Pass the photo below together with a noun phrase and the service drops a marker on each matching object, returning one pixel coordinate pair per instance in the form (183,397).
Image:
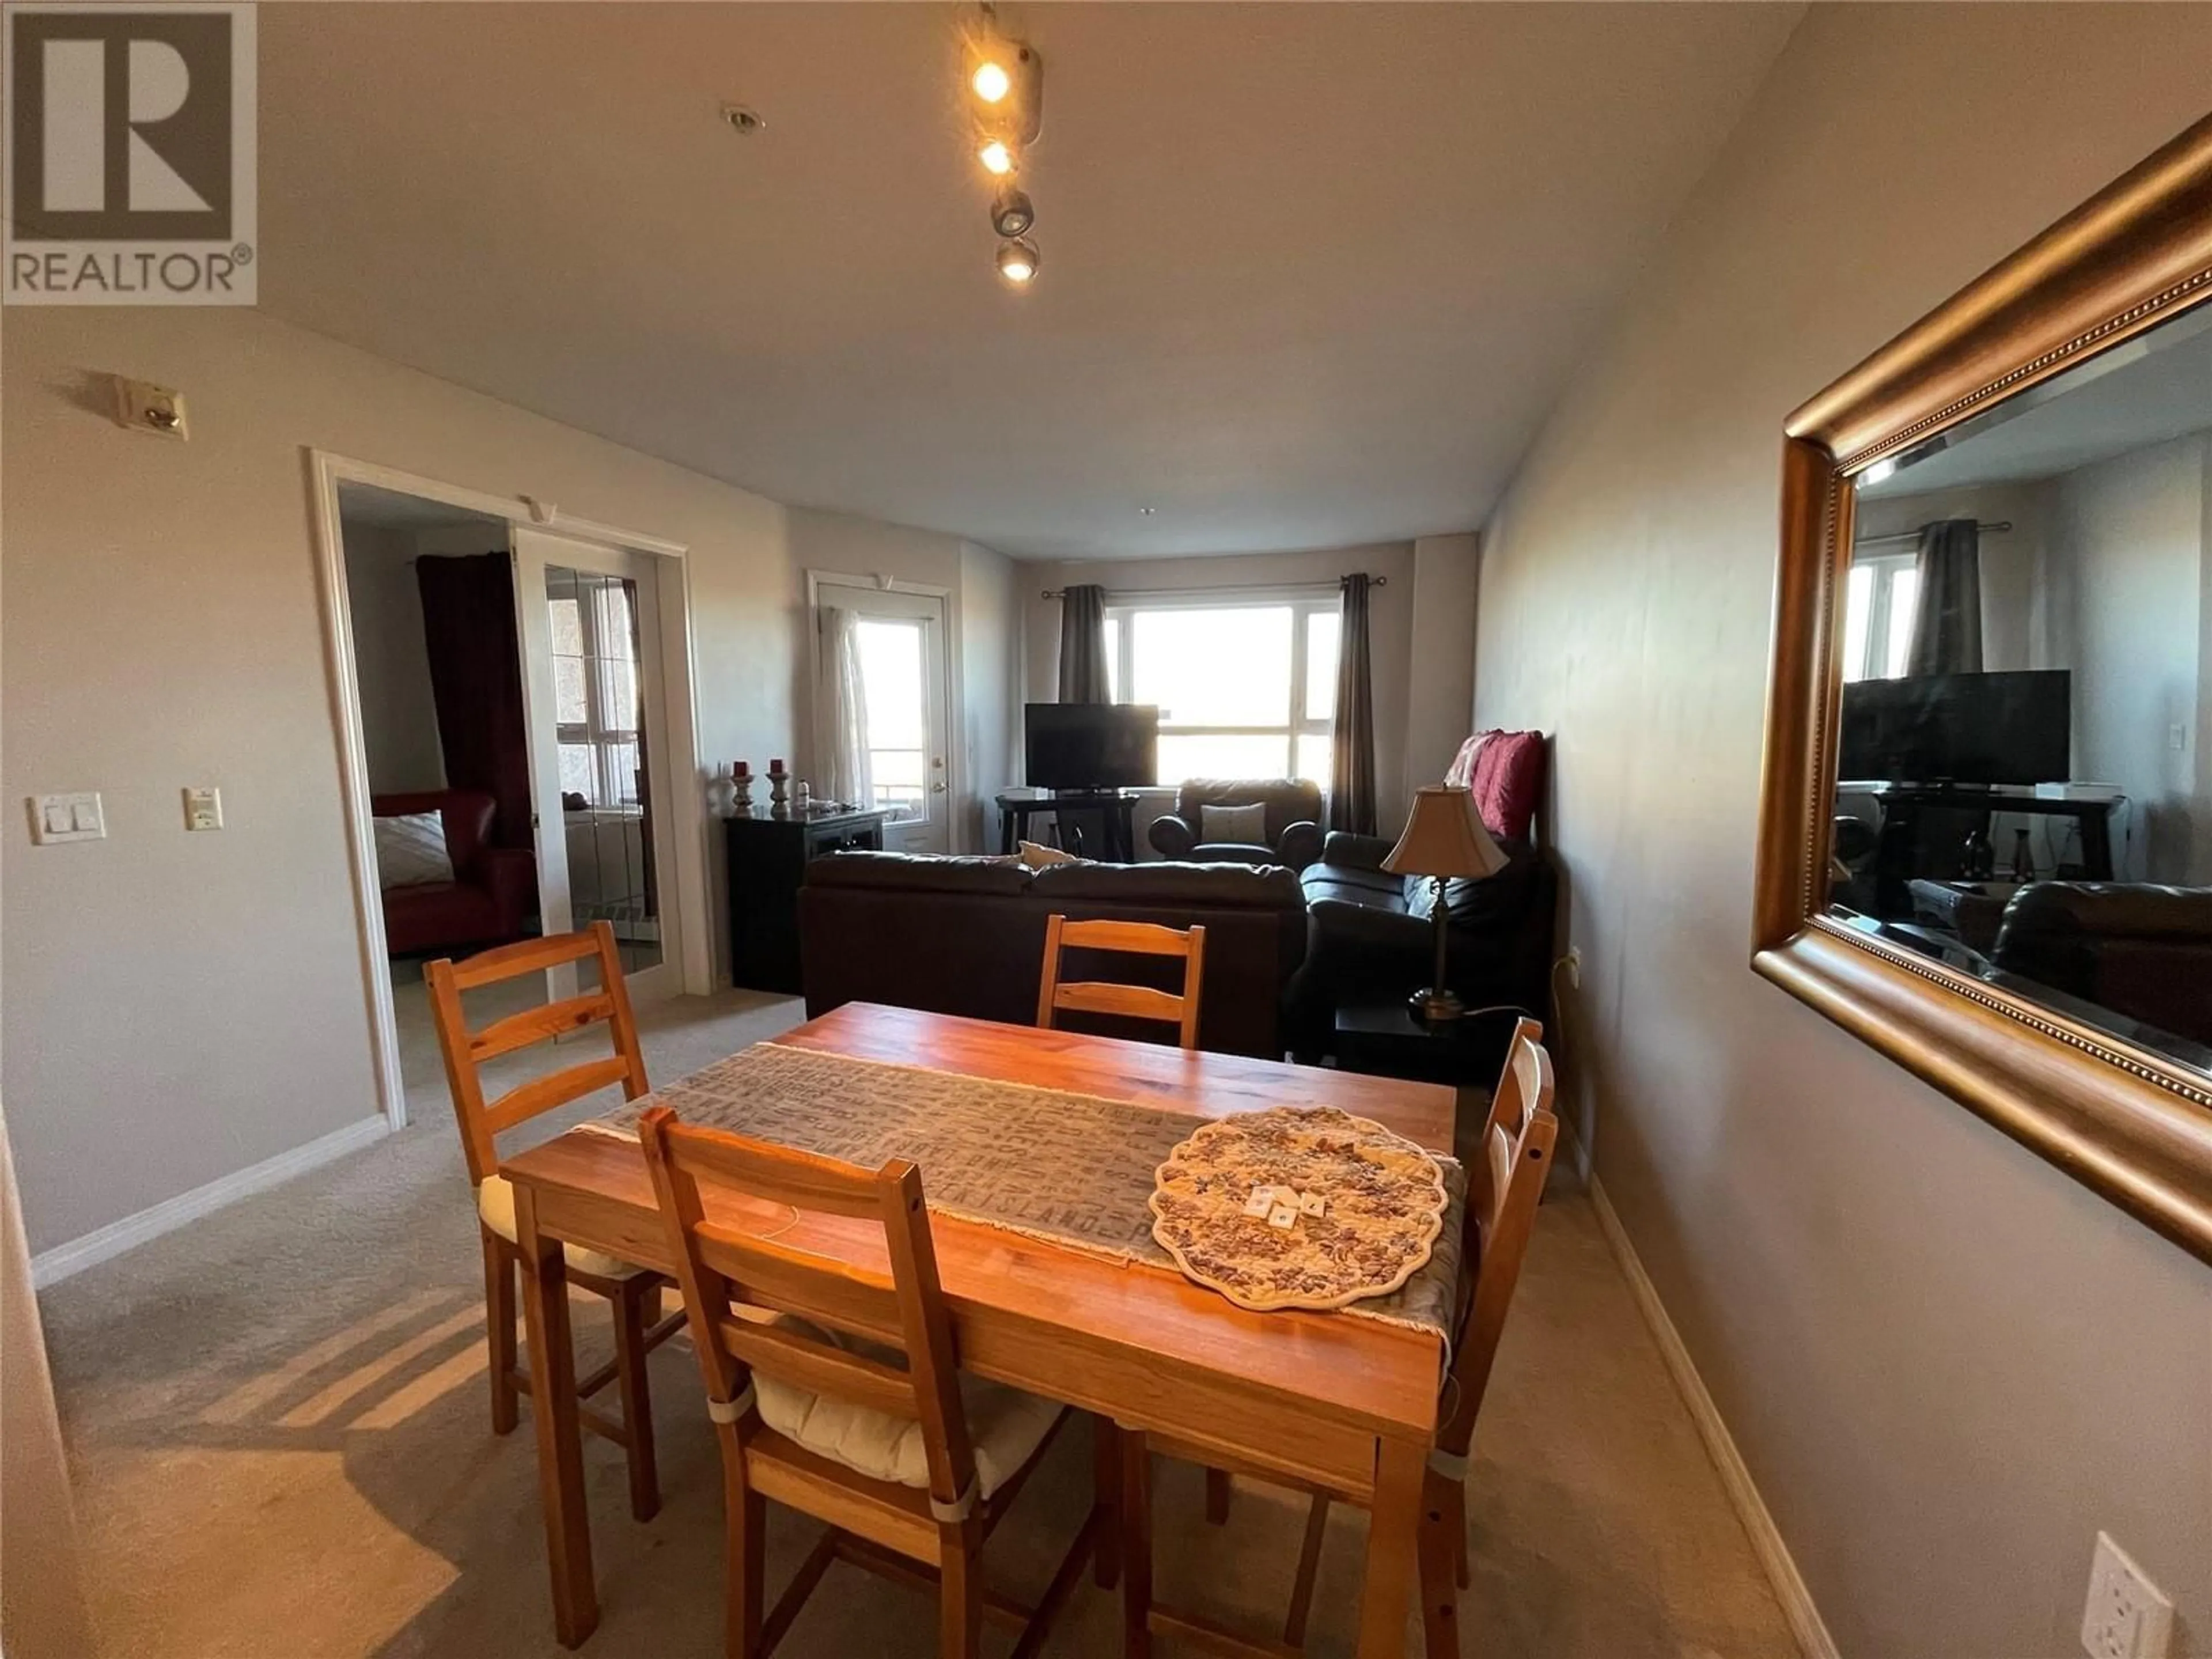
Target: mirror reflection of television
(1959,728)
(1092,746)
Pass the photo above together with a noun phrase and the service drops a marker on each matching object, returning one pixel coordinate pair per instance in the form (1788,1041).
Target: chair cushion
(1006,1425)
(1244,826)
(495,1209)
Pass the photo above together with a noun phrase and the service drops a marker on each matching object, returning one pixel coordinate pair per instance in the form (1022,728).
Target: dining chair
(632,1292)
(1130,1001)
(1504,1185)
(834,1389)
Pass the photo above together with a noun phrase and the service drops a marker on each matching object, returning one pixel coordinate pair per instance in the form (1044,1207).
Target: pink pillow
(1507,781)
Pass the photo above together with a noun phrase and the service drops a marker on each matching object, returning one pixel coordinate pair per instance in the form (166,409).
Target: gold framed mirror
(1985,829)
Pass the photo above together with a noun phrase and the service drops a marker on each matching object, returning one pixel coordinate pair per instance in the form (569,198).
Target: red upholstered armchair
(494,891)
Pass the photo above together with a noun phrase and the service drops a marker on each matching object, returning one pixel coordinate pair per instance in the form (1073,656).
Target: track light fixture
(1005,92)
(1018,261)
(1011,213)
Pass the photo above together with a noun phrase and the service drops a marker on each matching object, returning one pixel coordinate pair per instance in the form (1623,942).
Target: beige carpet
(278,1423)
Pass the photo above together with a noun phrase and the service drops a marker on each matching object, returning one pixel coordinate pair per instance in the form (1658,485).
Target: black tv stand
(1115,811)
(1905,849)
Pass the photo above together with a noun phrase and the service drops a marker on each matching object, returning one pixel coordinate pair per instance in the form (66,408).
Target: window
(1878,607)
(595,685)
(891,675)
(1245,688)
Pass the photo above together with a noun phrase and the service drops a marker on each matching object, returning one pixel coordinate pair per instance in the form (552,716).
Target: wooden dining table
(1344,1401)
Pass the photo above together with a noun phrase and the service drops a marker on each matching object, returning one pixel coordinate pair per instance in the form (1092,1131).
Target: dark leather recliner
(1371,937)
(1293,822)
(2142,950)
(966,936)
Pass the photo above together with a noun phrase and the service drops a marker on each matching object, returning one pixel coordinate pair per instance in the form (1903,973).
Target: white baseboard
(1805,1621)
(51,1267)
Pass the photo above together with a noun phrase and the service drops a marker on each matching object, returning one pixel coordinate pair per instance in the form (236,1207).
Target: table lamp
(1442,838)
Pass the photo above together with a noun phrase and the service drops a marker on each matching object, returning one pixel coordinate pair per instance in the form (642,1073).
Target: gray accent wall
(1946,1364)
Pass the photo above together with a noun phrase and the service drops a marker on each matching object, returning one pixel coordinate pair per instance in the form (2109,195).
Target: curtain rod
(1998,526)
(1376,582)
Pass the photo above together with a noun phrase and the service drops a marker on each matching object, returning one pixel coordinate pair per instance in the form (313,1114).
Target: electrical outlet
(2128,1617)
(203,808)
(1574,960)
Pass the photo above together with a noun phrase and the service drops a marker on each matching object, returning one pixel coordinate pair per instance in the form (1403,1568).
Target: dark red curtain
(476,679)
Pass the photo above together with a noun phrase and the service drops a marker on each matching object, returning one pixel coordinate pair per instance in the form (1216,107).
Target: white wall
(182,1006)
(2131,532)
(1946,1364)
(1440,655)
(990,651)
(1390,623)
(398,713)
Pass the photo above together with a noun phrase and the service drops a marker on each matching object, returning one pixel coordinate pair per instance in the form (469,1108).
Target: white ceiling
(1312,275)
(2152,389)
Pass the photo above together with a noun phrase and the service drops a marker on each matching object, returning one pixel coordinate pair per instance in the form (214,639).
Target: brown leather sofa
(2140,950)
(1372,936)
(494,891)
(1293,822)
(966,936)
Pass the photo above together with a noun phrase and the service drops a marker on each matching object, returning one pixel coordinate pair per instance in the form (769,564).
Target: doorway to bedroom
(514,753)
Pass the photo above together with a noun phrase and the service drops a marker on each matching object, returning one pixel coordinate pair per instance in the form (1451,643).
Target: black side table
(1382,1039)
(767,857)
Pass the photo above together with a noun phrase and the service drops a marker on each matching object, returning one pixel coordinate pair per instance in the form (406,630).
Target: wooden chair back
(466,1051)
(1130,1001)
(1503,1188)
(717,1265)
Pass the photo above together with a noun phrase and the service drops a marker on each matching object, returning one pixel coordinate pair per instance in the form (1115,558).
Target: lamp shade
(1444,837)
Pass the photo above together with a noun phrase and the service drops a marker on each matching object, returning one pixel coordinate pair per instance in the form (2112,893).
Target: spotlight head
(997,156)
(1011,213)
(990,81)
(1017,261)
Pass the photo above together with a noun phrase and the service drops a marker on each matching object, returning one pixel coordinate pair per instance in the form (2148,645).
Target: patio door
(600,773)
(903,641)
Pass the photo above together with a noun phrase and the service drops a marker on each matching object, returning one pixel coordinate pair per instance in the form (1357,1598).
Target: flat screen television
(1959,728)
(1092,746)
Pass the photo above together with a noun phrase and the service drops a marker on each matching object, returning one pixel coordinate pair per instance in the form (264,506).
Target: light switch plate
(57,818)
(203,808)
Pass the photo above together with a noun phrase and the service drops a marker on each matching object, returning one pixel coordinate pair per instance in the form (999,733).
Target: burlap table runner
(1073,1168)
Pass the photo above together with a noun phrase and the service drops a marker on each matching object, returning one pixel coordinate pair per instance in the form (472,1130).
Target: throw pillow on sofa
(1507,782)
(411,851)
(1038,856)
(1235,826)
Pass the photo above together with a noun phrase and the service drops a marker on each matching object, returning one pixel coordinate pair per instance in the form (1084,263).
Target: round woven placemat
(1385,1202)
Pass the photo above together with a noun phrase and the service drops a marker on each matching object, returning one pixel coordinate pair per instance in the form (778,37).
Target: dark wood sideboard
(767,858)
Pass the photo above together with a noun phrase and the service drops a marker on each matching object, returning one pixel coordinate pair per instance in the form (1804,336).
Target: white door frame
(956,714)
(326,472)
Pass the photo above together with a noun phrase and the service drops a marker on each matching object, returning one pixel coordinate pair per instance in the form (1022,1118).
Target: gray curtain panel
(1946,620)
(1351,735)
(1083,645)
